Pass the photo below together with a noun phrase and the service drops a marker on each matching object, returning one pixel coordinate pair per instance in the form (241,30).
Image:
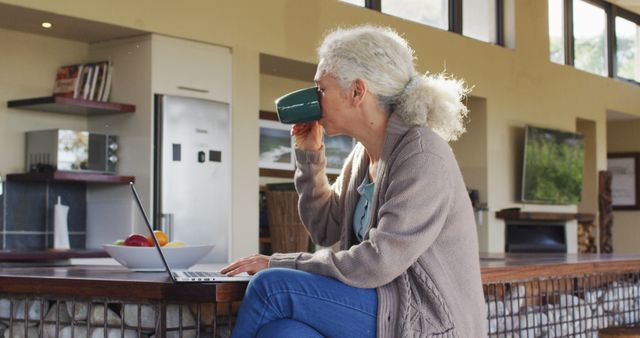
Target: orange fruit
(160,236)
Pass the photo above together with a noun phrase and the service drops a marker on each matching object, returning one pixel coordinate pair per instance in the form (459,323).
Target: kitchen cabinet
(192,69)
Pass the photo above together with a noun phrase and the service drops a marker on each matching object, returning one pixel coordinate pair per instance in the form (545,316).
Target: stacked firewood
(587,238)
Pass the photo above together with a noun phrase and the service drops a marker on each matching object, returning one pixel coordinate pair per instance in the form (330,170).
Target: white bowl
(138,258)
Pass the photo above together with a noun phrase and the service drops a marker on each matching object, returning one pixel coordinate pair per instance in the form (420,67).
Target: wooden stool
(620,332)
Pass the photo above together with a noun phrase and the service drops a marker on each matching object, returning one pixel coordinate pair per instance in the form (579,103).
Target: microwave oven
(70,150)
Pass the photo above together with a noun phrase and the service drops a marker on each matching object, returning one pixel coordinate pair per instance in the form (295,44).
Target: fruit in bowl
(137,252)
(136,240)
(162,238)
(140,240)
(175,244)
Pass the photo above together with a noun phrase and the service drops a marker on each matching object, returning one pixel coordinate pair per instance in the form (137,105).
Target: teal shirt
(362,213)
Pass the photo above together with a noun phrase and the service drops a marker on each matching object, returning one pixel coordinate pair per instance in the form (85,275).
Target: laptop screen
(153,236)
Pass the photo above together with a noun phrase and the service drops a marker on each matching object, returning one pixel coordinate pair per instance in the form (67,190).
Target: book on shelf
(102,68)
(86,79)
(67,80)
(89,81)
(94,81)
(107,83)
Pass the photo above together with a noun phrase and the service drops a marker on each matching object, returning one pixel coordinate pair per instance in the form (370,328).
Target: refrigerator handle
(166,225)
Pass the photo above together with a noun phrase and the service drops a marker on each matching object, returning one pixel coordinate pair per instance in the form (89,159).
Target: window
(429,12)
(595,36)
(589,34)
(479,20)
(627,49)
(556,31)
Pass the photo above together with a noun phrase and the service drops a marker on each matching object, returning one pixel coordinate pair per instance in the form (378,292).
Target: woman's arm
(417,203)
(318,203)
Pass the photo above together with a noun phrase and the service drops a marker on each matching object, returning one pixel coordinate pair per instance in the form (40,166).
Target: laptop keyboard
(198,274)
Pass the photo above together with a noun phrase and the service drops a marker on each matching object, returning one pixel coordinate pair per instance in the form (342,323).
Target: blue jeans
(291,303)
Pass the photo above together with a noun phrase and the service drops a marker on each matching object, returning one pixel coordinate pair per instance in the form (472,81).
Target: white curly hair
(385,61)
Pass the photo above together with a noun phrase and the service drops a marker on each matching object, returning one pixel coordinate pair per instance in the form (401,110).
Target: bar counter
(529,295)
(117,281)
(48,255)
(511,266)
(113,281)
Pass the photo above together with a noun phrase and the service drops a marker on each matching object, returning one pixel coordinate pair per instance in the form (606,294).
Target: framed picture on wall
(276,146)
(625,172)
(336,150)
(274,157)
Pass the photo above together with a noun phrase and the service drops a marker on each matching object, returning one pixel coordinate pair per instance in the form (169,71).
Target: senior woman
(408,261)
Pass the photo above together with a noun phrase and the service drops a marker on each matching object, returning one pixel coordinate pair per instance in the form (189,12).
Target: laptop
(179,275)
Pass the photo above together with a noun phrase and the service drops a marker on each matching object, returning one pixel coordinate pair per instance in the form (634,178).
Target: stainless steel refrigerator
(192,188)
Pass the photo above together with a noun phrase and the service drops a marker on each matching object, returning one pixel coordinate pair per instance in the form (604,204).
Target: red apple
(136,240)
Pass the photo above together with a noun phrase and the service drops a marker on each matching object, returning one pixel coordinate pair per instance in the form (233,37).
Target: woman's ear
(359,91)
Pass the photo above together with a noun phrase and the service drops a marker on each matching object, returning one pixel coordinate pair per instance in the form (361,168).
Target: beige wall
(622,136)
(272,87)
(471,149)
(589,198)
(520,85)
(244,142)
(28,65)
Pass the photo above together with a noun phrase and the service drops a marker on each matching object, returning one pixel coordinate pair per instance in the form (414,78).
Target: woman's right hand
(308,136)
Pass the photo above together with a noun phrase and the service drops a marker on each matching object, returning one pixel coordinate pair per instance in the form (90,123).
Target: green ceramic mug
(300,106)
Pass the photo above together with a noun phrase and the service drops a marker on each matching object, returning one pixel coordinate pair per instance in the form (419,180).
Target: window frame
(455,17)
(606,7)
(627,15)
(611,11)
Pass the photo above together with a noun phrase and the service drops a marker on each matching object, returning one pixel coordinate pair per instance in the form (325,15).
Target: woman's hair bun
(434,101)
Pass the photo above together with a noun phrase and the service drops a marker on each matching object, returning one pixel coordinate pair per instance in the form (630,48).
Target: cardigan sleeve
(416,205)
(318,203)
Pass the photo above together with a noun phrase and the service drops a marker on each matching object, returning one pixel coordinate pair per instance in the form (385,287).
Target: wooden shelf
(517,215)
(64,176)
(65,105)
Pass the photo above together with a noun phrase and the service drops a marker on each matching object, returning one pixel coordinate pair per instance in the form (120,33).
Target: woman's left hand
(250,265)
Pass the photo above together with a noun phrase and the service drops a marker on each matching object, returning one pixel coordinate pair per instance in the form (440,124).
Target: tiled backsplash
(27,214)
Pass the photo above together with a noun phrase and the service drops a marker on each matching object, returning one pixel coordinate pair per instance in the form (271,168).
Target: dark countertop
(112,281)
(49,255)
(117,280)
(510,266)
(518,259)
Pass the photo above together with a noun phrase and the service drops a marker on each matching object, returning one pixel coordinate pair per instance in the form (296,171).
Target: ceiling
(65,27)
(630,5)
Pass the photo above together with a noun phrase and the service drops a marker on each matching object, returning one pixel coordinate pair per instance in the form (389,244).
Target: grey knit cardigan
(421,250)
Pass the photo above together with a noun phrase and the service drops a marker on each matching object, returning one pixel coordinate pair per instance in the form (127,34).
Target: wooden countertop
(117,281)
(112,281)
(501,267)
(48,255)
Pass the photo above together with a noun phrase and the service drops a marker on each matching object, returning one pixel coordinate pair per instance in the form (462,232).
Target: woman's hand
(308,135)
(250,265)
